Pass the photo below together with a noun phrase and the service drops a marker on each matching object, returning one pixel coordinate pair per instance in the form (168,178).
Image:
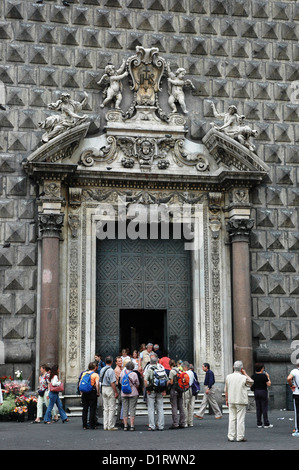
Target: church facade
(149,183)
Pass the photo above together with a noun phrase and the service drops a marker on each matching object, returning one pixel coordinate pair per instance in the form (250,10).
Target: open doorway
(142,326)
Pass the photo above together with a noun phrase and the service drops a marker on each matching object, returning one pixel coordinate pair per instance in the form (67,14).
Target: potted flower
(20,412)
(32,406)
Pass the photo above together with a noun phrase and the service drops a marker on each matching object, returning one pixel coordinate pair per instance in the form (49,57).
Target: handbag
(59,388)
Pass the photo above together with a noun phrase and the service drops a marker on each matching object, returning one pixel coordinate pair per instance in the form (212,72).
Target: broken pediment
(145,139)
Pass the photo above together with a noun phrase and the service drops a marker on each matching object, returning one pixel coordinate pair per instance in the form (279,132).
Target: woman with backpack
(129,393)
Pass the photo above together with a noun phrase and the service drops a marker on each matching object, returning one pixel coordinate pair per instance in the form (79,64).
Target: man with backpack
(179,383)
(155,379)
(89,389)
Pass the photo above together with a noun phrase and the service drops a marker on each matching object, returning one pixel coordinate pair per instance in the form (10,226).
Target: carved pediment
(230,153)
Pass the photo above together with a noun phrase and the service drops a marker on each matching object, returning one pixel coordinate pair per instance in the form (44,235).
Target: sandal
(132,428)
(125,428)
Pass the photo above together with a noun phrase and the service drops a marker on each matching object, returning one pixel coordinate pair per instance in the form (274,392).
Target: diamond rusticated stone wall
(236,52)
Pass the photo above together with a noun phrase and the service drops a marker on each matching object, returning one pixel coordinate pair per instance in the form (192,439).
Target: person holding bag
(43,394)
(55,386)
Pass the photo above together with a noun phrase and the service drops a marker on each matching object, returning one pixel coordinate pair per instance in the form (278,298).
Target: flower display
(18,373)
(16,387)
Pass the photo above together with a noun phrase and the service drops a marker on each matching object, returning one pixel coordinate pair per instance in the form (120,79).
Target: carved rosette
(240,229)
(51,225)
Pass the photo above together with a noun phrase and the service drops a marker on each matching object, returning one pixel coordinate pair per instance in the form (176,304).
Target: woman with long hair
(54,397)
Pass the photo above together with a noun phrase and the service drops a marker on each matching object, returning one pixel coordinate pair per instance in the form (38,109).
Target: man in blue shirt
(209,394)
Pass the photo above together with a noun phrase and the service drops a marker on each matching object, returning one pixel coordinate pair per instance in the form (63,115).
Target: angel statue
(233,126)
(112,83)
(176,83)
(69,117)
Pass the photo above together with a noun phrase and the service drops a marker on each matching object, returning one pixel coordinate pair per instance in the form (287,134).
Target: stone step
(141,409)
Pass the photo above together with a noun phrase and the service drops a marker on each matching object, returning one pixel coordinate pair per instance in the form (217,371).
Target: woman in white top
(54,398)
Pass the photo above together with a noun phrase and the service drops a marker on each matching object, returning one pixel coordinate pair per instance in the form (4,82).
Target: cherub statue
(176,83)
(112,82)
(233,126)
(58,123)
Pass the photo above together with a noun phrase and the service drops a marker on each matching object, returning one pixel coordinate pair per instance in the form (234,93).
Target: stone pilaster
(239,231)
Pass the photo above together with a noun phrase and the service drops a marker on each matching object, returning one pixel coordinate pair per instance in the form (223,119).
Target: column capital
(239,229)
(50,224)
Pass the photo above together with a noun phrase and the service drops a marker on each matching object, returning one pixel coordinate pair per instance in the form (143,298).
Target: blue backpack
(125,384)
(85,383)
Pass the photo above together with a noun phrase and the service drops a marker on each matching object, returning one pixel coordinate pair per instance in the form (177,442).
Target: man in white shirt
(237,400)
(293,381)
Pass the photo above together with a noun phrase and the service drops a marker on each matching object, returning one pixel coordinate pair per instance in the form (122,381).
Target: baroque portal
(118,190)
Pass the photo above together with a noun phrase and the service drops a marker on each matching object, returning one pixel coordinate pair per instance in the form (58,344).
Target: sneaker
(112,429)
(269,426)
(295,434)
(260,426)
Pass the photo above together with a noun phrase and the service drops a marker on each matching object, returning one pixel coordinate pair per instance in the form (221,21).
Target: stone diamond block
(6,74)
(81,16)
(5,30)
(258,240)
(289,308)
(262,91)
(187,25)
(265,262)
(37,12)
(48,34)
(102,18)
(199,46)
(287,262)
(276,196)
(14,279)
(70,36)
(292,154)
(272,112)
(258,284)
(279,330)
(269,30)
(265,217)
(6,208)
(91,38)
(267,307)
(124,20)
(6,304)
(14,328)
(259,329)
(197,6)
(137,39)
(15,232)
(26,208)
(14,10)
(59,14)
(177,45)
(208,26)
(25,303)
(6,256)
(276,240)
(26,256)
(16,186)
(277,284)
(166,24)
(289,31)
(287,218)
(283,133)
(7,164)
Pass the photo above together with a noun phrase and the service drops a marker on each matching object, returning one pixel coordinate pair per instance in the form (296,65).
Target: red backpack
(181,381)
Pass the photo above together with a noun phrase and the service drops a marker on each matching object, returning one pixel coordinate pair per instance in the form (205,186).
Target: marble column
(50,229)
(239,230)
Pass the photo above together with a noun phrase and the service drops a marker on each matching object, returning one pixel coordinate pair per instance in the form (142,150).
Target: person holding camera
(237,400)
